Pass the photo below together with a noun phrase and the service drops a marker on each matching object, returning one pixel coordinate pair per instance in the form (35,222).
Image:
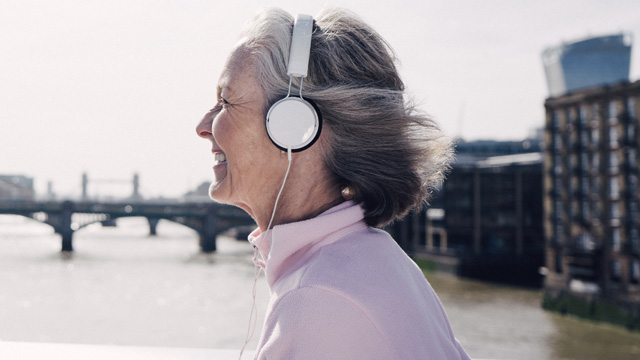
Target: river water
(123,287)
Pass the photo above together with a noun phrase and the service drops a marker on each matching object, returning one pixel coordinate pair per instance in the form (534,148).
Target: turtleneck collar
(276,247)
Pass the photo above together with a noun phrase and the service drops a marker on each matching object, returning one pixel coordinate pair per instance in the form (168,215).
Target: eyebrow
(225,86)
(222,83)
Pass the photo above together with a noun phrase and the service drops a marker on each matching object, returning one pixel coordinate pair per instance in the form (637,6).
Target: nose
(203,129)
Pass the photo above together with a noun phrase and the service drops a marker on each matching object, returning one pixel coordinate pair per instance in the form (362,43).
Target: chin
(215,193)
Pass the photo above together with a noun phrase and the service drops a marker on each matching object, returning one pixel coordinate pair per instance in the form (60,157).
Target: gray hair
(376,142)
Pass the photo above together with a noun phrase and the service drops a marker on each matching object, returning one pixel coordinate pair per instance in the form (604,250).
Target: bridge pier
(67,241)
(209,232)
(65,230)
(153,225)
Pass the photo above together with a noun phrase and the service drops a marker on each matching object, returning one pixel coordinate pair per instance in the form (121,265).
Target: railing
(53,351)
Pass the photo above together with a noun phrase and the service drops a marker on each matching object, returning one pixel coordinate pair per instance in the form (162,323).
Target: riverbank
(594,308)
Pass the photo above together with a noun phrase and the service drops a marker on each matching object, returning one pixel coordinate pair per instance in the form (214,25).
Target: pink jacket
(343,290)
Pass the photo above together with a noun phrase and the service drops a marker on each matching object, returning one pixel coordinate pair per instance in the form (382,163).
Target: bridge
(208,219)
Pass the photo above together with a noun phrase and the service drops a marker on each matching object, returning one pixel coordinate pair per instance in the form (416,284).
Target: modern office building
(587,63)
(591,200)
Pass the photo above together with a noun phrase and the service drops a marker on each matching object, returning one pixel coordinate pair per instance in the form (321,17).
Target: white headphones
(293,122)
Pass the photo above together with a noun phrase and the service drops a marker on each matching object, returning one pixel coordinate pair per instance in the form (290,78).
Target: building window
(584,138)
(584,186)
(557,142)
(612,110)
(615,239)
(631,108)
(584,162)
(635,271)
(614,165)
(595,162)
(615,211)
(614,187)
(613,135)
(586,211)
(595,135)
(633,212)
(634,240)
(595,188)
(557,184)
(558,209)
(633,186)
(559,233)
(582,115)
(631,133)
(573,210)
(616,269)
(557,166)
(596,210)
(555,121)
(632,158)
(572,162)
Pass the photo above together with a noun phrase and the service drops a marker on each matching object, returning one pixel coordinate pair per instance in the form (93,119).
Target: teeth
(220,157)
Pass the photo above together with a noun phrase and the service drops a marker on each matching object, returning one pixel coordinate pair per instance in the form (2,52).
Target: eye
(223,103)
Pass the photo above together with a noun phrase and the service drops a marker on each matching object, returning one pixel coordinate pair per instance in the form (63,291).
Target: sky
(114,88)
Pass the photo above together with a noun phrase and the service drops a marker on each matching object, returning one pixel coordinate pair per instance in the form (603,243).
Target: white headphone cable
(253,316)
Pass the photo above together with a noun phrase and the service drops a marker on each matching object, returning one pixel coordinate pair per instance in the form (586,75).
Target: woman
(340,288)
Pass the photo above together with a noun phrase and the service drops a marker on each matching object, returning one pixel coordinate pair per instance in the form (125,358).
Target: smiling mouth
(219,158)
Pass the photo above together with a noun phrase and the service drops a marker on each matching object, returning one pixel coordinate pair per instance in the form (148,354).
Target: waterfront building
(486,220)
(16,187)
(493,217)
(591,199)
(587,63)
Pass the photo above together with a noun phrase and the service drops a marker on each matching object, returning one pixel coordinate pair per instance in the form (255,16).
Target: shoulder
(368,270)
(367,256)
(320,321)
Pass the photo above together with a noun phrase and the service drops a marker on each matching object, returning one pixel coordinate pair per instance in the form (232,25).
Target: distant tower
(50,194)
(136,187)
(85,183)
(587,63)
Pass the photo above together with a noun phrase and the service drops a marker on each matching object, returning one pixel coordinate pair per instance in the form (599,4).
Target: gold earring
(347,193)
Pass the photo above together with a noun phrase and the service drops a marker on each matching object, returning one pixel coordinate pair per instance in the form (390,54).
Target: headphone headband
(300,46)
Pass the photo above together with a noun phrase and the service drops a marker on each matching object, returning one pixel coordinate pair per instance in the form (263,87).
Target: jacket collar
(276,247)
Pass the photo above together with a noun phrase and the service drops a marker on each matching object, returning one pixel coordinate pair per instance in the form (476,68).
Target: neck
(306,194)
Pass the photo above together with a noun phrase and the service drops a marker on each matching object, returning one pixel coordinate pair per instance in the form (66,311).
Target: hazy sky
(112,88)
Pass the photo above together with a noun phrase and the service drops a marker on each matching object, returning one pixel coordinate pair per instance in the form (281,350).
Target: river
(123,287)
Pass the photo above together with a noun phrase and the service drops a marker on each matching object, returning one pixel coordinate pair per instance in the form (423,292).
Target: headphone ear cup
(293,123)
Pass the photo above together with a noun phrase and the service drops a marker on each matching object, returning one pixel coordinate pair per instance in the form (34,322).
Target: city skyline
(113,89)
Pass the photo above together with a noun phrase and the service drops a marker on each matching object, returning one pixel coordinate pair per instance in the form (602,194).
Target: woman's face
(247,166)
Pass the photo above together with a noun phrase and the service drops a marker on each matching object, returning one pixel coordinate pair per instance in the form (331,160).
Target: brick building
(591,200)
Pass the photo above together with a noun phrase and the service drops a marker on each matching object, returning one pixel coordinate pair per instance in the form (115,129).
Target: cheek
(242,136)
(226,132)
(218,127)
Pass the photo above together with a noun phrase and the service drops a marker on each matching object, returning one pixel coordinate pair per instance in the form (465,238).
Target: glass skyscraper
(587,63)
